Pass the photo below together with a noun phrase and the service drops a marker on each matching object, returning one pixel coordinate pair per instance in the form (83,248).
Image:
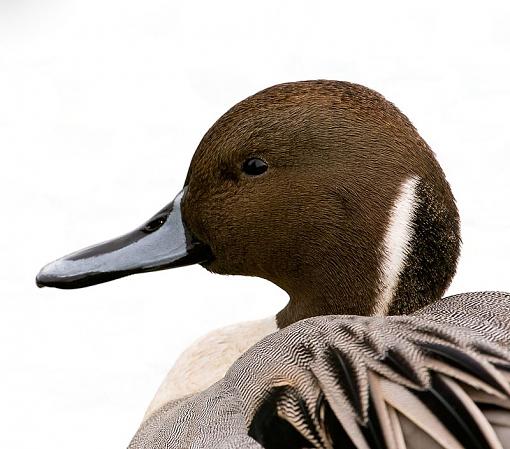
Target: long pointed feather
(415,436)
(347,375)
(476,413)
(465,362)
(338,402)
(372,429)
(448,408)
(469,379)
(337,436)
(346,419)
(499,417)
(382,410)
(410,406)
(396,428)
(481,397)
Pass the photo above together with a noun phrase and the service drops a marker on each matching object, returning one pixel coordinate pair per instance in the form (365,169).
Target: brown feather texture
(436,379)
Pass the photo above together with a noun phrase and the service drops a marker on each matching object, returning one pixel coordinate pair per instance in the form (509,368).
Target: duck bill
(160,243)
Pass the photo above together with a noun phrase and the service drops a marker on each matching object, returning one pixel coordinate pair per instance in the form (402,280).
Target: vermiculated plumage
(449,384)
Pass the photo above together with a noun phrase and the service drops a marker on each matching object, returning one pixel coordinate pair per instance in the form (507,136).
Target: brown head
(322,187)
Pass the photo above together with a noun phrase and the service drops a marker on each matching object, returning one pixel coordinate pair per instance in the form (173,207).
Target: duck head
(322,187)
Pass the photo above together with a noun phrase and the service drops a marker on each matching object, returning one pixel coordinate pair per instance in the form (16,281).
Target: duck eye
(254,166)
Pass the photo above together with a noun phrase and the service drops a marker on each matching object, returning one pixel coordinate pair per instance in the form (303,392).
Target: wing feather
(475,413)
(404,401)
(436,379)
(396,427)
(381,409)
(441,371)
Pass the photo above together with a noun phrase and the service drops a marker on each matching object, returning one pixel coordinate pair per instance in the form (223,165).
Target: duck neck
(328,299)
(410,269)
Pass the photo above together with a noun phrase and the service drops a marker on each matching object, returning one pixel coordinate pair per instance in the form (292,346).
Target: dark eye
(254,166)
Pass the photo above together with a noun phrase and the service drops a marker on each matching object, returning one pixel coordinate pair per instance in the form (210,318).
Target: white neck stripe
(396,244)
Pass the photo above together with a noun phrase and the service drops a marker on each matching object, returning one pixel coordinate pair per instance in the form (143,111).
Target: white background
(102,103)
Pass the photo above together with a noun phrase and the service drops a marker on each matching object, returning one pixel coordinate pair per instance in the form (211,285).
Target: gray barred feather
(437,378)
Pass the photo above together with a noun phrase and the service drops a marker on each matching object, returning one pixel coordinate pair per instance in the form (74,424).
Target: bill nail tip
(39,283)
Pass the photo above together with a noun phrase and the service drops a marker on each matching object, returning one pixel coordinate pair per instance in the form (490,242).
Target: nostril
(155,223)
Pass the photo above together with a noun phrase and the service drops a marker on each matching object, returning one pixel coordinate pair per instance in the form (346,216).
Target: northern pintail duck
(327,190)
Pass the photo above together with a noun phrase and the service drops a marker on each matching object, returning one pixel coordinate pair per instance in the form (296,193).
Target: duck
(326,189)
